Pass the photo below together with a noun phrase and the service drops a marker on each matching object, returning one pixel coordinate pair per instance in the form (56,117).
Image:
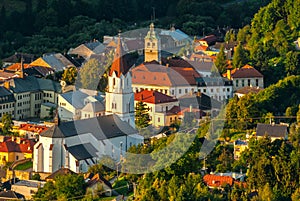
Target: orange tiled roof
(217,181)
(153,97)
(33,128)
(14,144)
(16,67)
(201,48)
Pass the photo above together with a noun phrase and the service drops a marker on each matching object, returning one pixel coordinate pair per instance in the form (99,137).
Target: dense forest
(40,26)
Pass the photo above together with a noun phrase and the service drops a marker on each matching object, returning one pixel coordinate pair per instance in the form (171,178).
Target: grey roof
(94,107)
(16,58)
(57,61)
(75,98)
(48,104)
(28,183)
(272,130)
(99,49)
(241,142)
(6,96)
(83,151)
(92,45)
(176,35)
(31,84)
(10,195)
(38,71)
(102,127)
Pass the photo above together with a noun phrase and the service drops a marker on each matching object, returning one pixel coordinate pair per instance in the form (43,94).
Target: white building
(79,144)
(79,104)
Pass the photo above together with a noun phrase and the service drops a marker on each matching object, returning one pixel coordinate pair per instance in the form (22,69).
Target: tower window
(148,44)
(153,44)
(114,81)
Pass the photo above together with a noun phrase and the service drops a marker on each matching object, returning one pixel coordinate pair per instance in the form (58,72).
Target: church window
(256,82)
(114,81)
(153,44)
(148,44)
(249,82)
(158,119)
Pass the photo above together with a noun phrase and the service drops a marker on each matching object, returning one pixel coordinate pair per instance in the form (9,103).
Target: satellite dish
(63,83)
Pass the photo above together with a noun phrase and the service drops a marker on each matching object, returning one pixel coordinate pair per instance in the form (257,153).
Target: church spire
(118,65)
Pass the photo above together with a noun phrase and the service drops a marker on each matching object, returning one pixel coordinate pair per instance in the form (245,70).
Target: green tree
(90,74)
(221,62)
(292,63)
(142,118)
(69,186)
(7,124)
(239,57)
(288,113)
(70,75)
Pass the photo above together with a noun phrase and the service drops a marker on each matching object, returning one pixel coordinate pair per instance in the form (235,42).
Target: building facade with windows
(7,102)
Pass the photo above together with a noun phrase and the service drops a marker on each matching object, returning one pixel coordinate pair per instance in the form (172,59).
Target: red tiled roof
(153,97)
(246,71)
(23,146)
(33,128)
(217,181)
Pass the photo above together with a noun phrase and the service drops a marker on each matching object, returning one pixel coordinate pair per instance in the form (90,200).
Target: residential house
(31,131)
(159,105)
(79,104)
(96,183)
(30,92)
(239,147)
(27,188)
(206,41)
(7,102)
(221,180)
(79,144)
(229,48)
(56,61)
(85,50)
(217,181)
(200,104)
(5,76)
(15,148)
(60,172)
(17,57)
(274,131)
(245,76)
(215,87)
(247,90)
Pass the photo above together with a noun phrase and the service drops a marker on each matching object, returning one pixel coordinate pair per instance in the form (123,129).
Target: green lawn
(24,166)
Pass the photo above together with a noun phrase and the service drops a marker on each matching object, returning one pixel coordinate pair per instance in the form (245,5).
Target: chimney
(191,108)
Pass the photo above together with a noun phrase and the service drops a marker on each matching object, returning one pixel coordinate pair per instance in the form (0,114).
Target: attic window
(143,77)
(154,78)
(164,78)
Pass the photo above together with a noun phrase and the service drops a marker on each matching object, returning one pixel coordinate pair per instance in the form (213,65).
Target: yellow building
(14,149)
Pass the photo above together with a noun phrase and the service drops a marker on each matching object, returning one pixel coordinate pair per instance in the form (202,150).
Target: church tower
(152,45)
(119,95)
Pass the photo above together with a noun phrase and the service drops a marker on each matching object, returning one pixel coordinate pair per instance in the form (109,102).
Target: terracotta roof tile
(217,181)
(21,145)
(246,71)
(248,89)
(154,97)
(16,67)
